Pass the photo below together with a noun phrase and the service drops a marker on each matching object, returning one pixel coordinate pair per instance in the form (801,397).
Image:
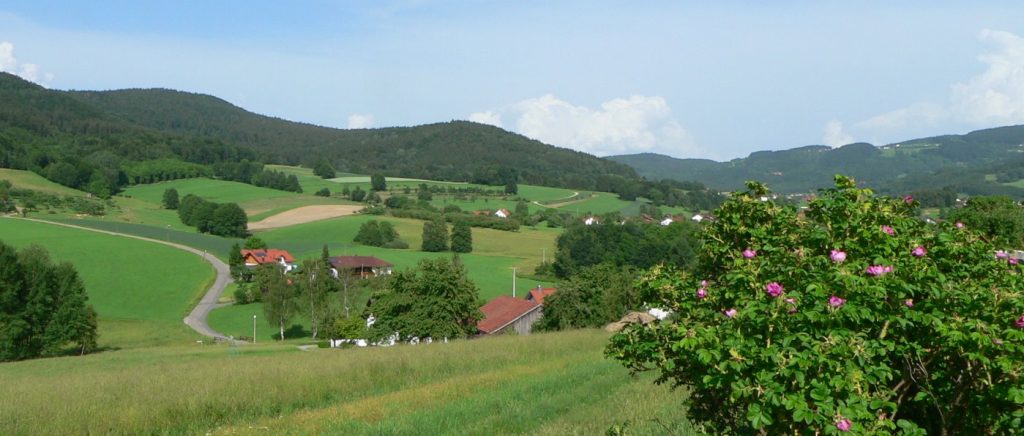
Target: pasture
(557,383)
(140,290)
(29,180)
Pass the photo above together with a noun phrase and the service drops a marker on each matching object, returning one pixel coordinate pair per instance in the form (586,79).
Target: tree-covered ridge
(960,161)
(80,146)
(456,150)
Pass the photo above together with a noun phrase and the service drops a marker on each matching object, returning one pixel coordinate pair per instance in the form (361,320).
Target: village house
(255,258)
(591,220)
(506,314)
(502,213)
(362,266)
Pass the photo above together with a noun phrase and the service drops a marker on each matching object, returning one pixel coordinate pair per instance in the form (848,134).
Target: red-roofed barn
(506,314)
(362,266)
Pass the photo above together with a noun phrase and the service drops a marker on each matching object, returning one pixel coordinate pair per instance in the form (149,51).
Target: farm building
(509,314)
(362,266)
(254,258)
(538,294)
(502,213)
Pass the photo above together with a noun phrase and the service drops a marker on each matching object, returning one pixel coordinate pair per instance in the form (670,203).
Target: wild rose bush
(857,317)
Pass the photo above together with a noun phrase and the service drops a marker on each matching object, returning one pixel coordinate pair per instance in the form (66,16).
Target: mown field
(555,383)
(140,290)
(33,181)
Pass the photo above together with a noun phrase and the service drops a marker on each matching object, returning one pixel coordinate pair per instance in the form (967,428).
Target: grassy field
(215,245)
(33,181)
(490,264)
(539,384)
(140,290)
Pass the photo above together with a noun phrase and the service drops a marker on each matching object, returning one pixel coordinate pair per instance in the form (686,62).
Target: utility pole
(513,282)
(254,329)
(543,255)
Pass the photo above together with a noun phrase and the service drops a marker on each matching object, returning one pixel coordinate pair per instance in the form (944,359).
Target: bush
(377,234)
(396,244)
(435,236)
(857,317)
(323,192)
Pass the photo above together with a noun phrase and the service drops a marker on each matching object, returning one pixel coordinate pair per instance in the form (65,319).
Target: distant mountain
(978,162)
(456,150)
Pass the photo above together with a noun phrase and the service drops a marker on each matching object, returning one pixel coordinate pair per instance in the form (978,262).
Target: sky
(714,80)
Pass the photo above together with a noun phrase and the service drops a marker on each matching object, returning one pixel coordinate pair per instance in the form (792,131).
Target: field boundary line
(196,319)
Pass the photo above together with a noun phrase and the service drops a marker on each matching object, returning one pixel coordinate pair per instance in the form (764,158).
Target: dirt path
(567,200)
(305,214)
(197,318)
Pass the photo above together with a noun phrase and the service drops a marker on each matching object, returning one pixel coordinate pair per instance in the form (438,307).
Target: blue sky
(717,80)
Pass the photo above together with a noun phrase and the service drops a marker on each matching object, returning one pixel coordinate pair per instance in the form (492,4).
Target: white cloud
(621,125)
(994,97)
(27,71)
(834,134)
(360,121)
(486,117)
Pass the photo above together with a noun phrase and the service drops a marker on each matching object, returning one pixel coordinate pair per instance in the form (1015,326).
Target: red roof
(502,311)
(537,294)
(270,255)
(349,262)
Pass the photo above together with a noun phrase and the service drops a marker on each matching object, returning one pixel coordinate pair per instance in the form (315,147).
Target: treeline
(159,170)
(631,244)
(44,307)
(255,174)
(671,193)
(227,219)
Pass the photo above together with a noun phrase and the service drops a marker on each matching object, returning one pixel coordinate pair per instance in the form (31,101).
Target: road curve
(197,318)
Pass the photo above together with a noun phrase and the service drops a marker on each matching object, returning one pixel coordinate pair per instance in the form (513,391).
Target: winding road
(197,318)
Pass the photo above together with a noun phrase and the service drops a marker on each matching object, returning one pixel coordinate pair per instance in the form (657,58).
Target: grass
(258,202)
(29,180)
(490,264)
(539,384)
(214,245)
(140,290)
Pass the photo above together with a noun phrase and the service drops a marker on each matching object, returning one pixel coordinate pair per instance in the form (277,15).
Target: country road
(197,318)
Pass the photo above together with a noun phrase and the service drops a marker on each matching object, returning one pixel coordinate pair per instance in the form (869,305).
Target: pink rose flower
(792,303)
(1000,254)
(838,256)
(703,283)
(878,270)
(959,225)
(909,302)
(888,230)
(1012,261)
(730,313)
(749,254)
(844,424)
(701,293)
(908,199)
(919,251)
(1020,322)
(835,301)
(774,289)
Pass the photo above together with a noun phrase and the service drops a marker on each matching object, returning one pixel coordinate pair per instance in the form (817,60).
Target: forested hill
(980,162)
(457,150)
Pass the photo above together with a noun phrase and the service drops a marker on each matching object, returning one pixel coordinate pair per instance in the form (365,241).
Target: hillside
(966,162)
(456,151)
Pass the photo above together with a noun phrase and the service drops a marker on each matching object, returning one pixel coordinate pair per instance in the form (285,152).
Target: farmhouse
(502,213)
(362,266)
(591,220)
(509,314)
(255,258)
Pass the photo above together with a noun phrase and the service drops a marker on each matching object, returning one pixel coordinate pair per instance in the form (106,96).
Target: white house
(502,213)
(666,221)
(698,218)
(591,220)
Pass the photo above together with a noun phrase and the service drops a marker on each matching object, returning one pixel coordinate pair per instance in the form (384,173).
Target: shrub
(323,192)
(396,244)
(857,317)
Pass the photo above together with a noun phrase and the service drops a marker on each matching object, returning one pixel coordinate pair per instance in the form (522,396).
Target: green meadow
(140,290)
(29,180)
(555,383)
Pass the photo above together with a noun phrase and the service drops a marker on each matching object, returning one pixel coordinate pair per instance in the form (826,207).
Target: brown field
(304,215)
